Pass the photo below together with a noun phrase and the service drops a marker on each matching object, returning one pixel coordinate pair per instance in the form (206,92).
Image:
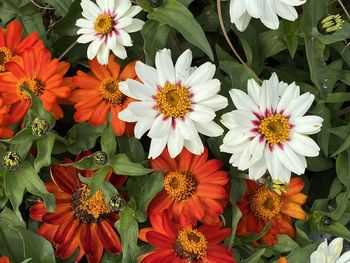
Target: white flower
(106,25)
(175,103)
(268,129)
(241,11)
(331,253)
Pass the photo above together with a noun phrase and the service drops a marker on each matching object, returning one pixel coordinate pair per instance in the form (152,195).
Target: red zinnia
(182,243)
(5,131)
(260,204)
(12,44)
(193,187)
(39,73)
(4,259)
(78,222)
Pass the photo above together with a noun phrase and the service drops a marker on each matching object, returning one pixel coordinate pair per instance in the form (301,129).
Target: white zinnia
(331,253)
(268,130)
(107,26)
(175,103)
(241,11)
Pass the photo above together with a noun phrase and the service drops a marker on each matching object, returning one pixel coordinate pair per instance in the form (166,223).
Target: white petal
(86,38)
(242,101)
(252,154)
(121,8)
(290,159)
(103,4)
(93,48)
(289,94)
(216,103)
(157,147)
(228,120)
(303,145)
(147,74)
(135,26)
(257,170)
(165,66)
(201,113)
(201,74)
(244,118)
(273,164)
(195,145)
(142,109)
(111,40)
(254,90)
(183,66)
(141,126)
(160,127)
(134,89)
(210,129)
(119,51)
(124,22)
(127,115)
(307,124)
(286,11)
(175,143)
(85,23)
(205,90)
(269,17)
(237,9)
(90,9)
(103,54)
(293,2)
(345,258)
(254,8)
(133,11)
(335,248)
(300,105)
(186,128)
(124,38)
(242,22)
(236,136)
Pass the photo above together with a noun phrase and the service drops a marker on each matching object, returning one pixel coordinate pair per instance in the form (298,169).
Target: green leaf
(337,229)
(144,189)
(128,229)
(23,136)
(67,26)
(345,145)
(284,244)
(108,143)
(97,179)
(257,236)
(289,30)
(319,163)
(343,168)
(14,190)
(61,6)
(132,147)
(323,136)
(86,163)
(44,147)
(154,42)
(300,254)
(111,258)
(271,43)
(123,166)
(236,216)
(255,257)
(337,97)
(176,15)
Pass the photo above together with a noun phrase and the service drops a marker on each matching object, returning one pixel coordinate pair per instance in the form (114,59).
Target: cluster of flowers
(173,104)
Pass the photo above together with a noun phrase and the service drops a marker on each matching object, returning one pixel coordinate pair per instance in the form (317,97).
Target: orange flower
(98,93)
(5,131)
(282,260)
(41,74)
(193,187)
(182,243)
(4,260)
(78,222)
(260,204)
(11,44)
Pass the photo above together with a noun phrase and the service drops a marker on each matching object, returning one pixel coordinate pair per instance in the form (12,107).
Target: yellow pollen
(5,56)
(275,128)
(264,203)
(104,24)
(95,206)
(110,92)
(191,244)
(31,83)
(173,100)
(179,186)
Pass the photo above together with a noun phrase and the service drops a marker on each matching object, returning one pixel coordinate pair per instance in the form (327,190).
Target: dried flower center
(173,100)
(104,24)
(33,84)
(89,210)
(264,203)
(179,186)
(5,56)
(110,92)
(275,128)
(191,244)
(11,160)
(40,127)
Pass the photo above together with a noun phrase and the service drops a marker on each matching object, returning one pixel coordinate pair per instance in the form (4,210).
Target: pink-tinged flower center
(191,244)
(173,100)
(104,24)
(275,128)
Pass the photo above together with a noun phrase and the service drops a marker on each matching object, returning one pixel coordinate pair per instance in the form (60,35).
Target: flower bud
(116,203)
(40,127)
(11,160)
(100,158)
(330,24)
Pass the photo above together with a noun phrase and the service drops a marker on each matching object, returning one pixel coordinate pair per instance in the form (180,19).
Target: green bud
(116,203)
(11,160)
(330,24)
(100,158)
(40,127)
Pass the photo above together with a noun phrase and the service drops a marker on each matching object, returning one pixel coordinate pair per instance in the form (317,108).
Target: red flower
(78,222)
(182,243)
(260,204)
(193,187)
(11,44)
(4,260)
(5,131)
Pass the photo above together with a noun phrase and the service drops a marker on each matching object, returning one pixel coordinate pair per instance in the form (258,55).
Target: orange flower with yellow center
(260,204)
(78,222)
(39,73)
(12,44)
(97,94)
(194,187)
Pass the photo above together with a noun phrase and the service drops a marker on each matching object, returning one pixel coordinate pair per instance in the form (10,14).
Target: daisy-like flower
(184,243)
(97,94)
(78,222)
(330,253)
(176,102)
(260,204)
(268,130)
(193,187)
(107,26)
(241,11)
(39,73)
(12,44)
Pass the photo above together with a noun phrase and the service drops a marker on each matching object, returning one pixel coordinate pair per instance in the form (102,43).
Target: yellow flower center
(179,186)
(5,56)
(264,203)
(11,160)
(89,210)
(191,244)
(104,24)
(31,83)
(275,128)
(110,92)
(173,100)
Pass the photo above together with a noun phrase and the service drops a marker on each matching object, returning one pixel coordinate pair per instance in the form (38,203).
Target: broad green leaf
(337,36)
(345,145)
(337,97)
(14,190)
(319,163)
(284,244)
(255,257)
(61,6)
(132,147)
(154,42)
(236,216)
(108,143)
(22,136)
(97,179)
(300,254)
(111,258)
(323,136)
(271,43)
(67,26)
(289,30)
(123,166)
(86,163)
(337,229)
(257,236)
(44,148)
(176,15)
(343,168)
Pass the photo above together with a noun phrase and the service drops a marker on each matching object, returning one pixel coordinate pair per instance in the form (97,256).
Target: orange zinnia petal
(108,237)
(293,210)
